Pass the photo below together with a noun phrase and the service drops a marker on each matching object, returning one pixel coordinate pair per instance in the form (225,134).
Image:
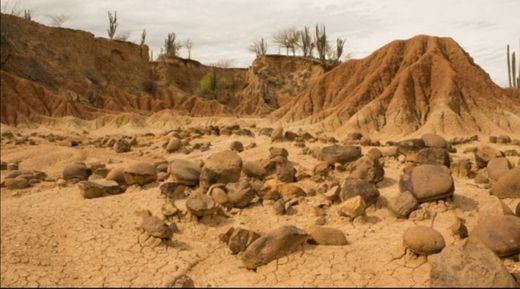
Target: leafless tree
(11,7)
(112,24)
(287,38)
(58,20)
(259,47)
(189,45)
(306,42)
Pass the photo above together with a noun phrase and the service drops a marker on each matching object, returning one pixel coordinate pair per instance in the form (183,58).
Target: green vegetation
(212,84)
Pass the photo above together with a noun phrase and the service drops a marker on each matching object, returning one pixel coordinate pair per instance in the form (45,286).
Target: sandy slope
(50,236)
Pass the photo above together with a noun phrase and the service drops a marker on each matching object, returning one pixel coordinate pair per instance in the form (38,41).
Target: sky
(223,29)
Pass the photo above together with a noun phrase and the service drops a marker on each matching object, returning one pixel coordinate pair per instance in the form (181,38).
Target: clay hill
(424,84)
(408,86)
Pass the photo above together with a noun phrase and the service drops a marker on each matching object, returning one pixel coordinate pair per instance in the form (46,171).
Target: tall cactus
(509,67)
(513,68)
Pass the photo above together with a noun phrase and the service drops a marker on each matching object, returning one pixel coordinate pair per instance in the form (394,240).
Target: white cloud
(224,28)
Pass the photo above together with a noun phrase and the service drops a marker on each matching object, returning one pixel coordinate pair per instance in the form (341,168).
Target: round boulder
(185,172)
(358,187)
(428,182)
(223,167)
(423,240)
(140,173)
(501,234)
(340,154)
(508,185)
(497,167)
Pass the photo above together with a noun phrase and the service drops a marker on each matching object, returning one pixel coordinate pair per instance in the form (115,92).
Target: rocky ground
(245,205)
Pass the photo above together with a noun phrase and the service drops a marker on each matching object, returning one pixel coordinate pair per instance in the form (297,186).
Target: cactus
(509,67)
(112,24)
(513,68)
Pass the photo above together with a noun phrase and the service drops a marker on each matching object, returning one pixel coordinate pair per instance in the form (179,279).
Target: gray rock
(238,239)
(155,227)
(254,169)
(200,205)
(401,203)
(484,154)
(439,156)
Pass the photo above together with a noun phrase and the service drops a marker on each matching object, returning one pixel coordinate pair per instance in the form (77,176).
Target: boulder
(154,226)
(401,203)
(240,194)
(236,146)
(122,146)
(497,167)
(254,169)
(472,265)
(366,168)
(185,172)
(434,141)
(223,167)
(353,207)
(508,185)
(273,245)
(174,144)
(340,154)
(173,190)
(461,168)
(501,234)
(200,205)
(276,152)
(285,172)
(238,239)
(327,236)
(78,171)
(117,175)
(16,183)
(423,240)
(219,194)
(98,188)
(357,187)
(484,154)
(140,173)
(428,182)
(409,148)
(434,155)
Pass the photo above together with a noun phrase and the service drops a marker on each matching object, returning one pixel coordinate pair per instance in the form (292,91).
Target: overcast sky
(222,29)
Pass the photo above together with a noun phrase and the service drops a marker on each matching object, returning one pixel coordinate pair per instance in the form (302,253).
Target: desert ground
(117,170)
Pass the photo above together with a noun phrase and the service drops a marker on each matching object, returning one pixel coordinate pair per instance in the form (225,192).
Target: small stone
(98,188)
(279,207)
(140,173)
(353,207)
(236,146)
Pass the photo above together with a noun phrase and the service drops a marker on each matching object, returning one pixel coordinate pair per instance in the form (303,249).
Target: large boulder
(497,167)
(140,173)
(400,203)
(223,167)
(484,154)
(428,182)
(438,156)
(238,239)
(508,185)
(185,172)
(472,265)
(501,234)
(423,240)
(367,168)
(327,236)
(78,171)
(340,154)
(273,245)
(98,188)
(358,187)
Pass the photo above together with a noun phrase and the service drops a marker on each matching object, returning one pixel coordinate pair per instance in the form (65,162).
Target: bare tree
(189,45)
(112,24)
(58,20)
(287,38)
(171,46)
(339,48)
(259,47)
(143,37)
(11,7)
(123,36)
